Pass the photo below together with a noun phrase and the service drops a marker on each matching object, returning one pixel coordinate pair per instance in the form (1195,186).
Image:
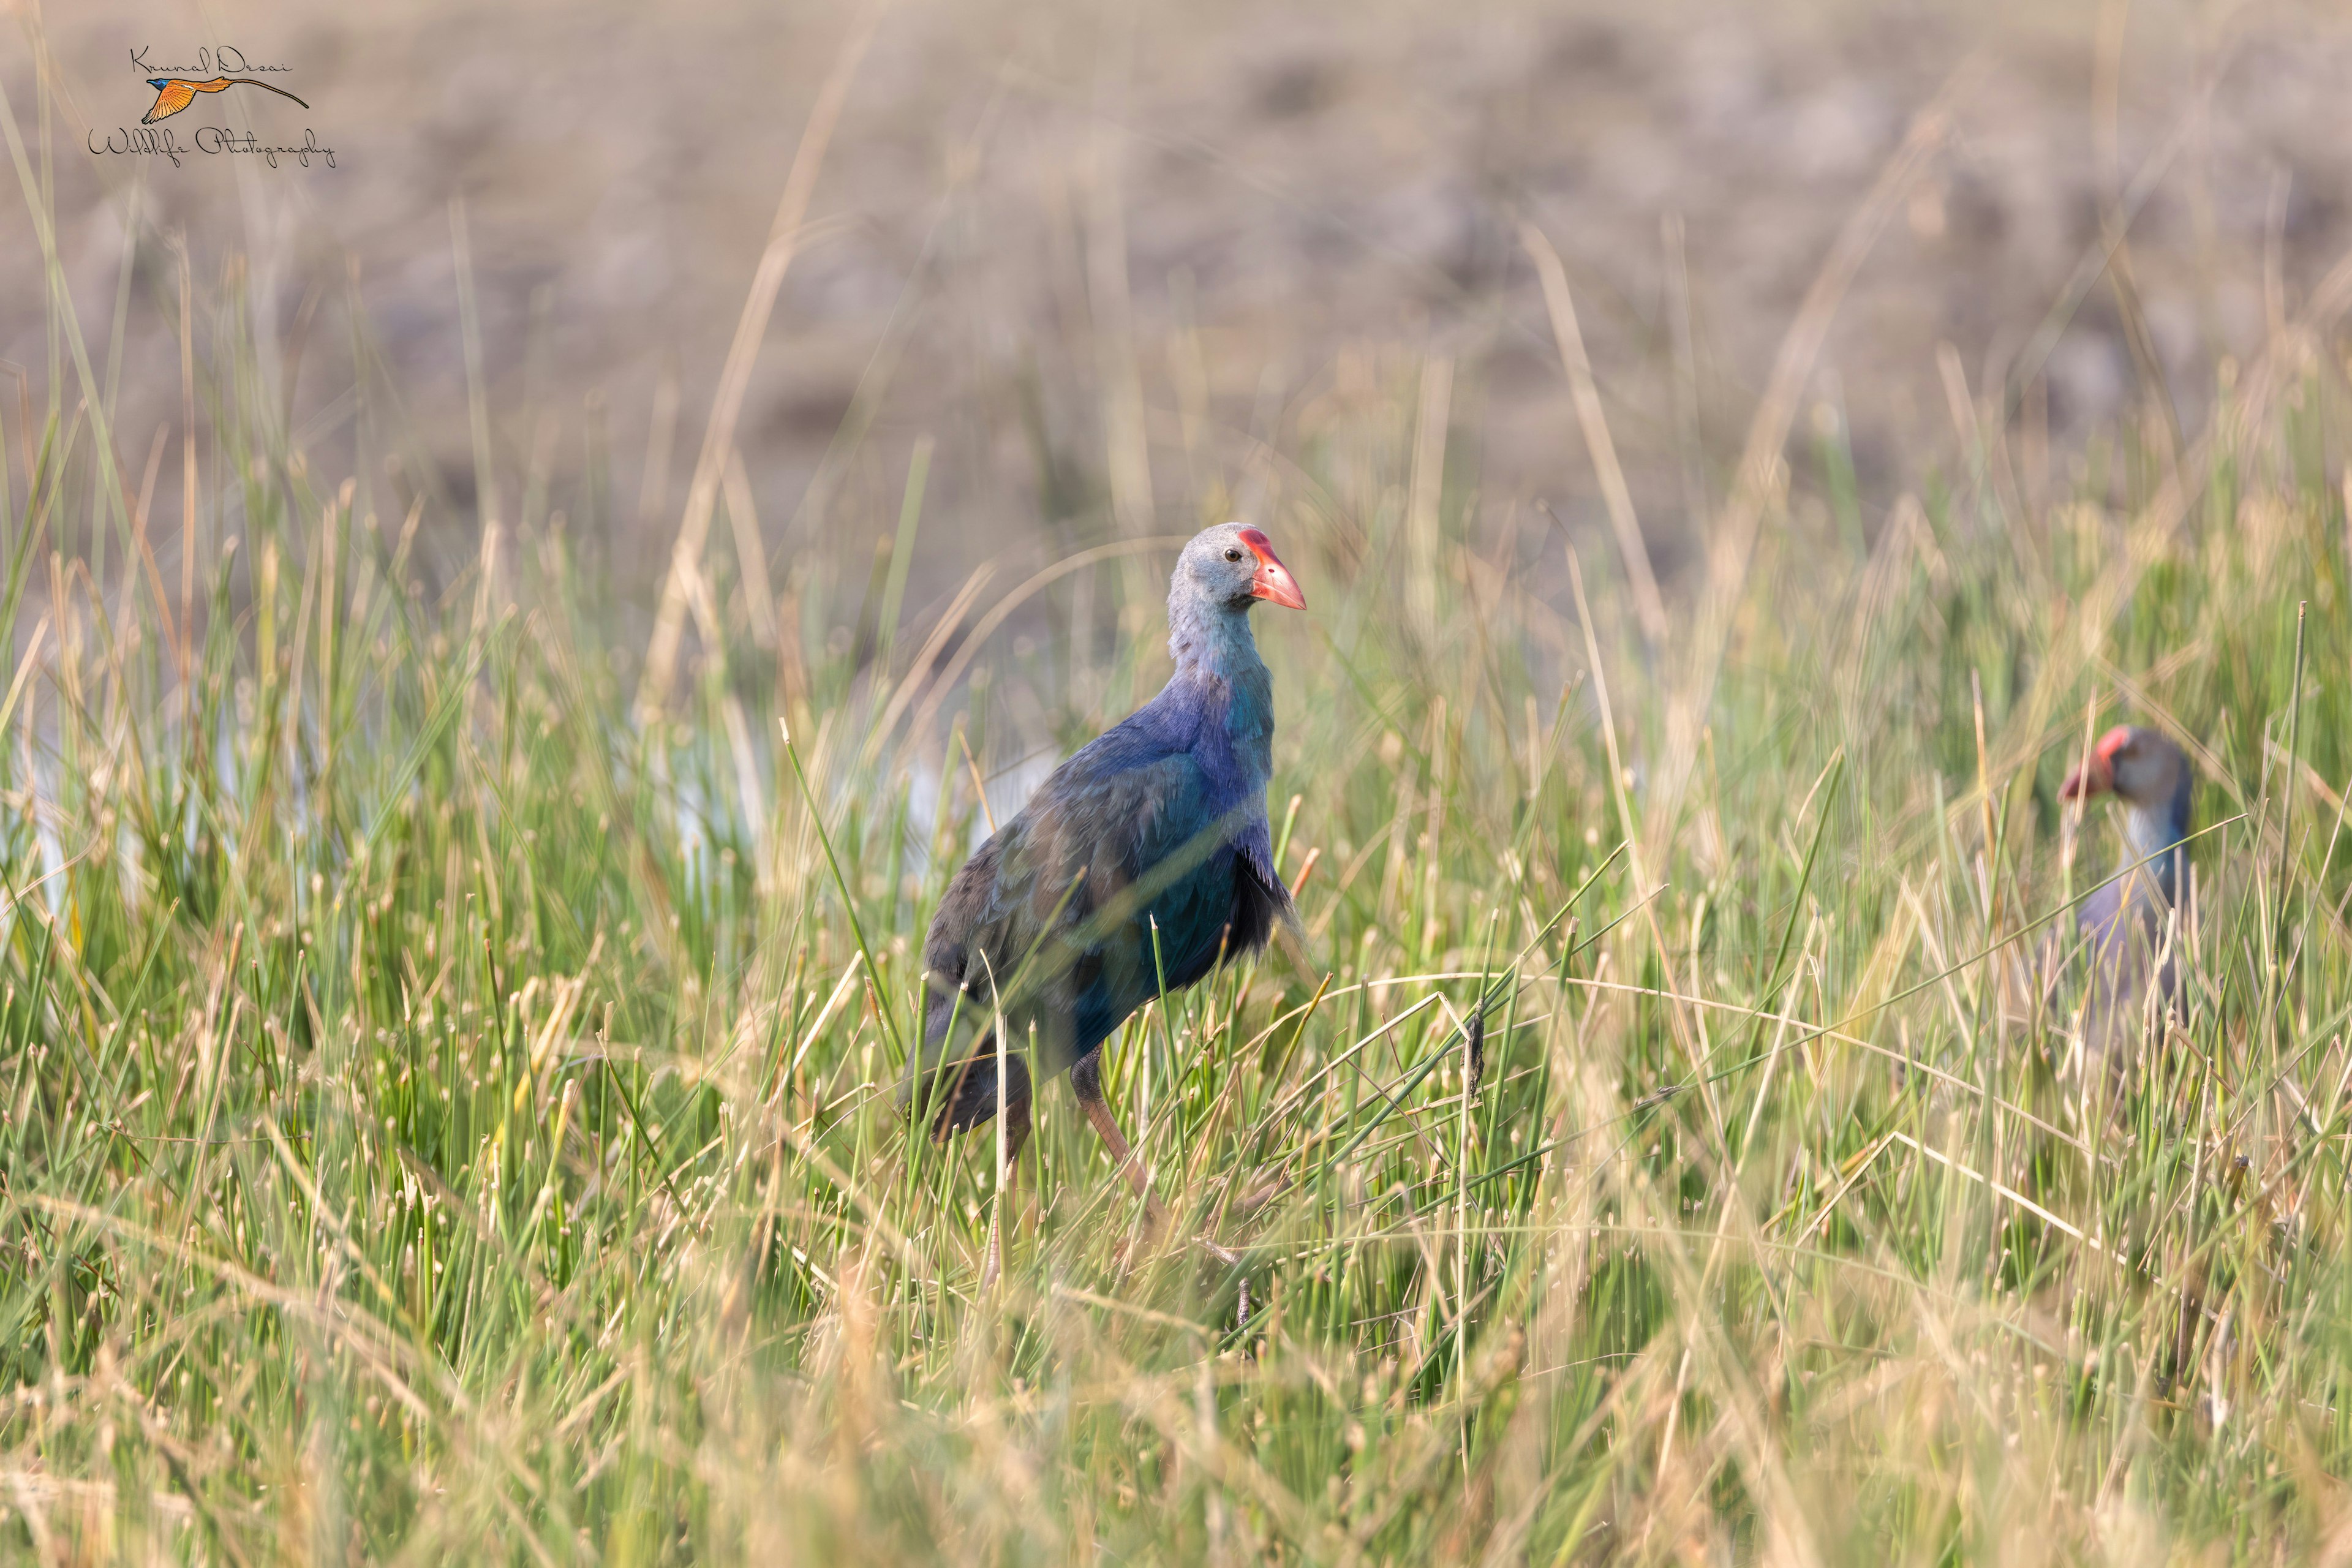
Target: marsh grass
(448,1105)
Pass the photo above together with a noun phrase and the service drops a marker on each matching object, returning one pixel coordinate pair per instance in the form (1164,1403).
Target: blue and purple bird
(1142,864)
(2122,924)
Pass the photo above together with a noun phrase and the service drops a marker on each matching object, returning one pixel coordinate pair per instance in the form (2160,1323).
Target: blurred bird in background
(2122,925)
(1142,864)
(174,93)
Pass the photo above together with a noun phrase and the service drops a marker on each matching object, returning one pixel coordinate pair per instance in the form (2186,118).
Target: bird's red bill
(2098,775)
(1273,580)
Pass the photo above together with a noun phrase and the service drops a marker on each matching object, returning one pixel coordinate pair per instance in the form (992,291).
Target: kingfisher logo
(177,87)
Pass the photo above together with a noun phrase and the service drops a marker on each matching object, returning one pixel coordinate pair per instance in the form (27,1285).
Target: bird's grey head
(1231,567)
(2141,767)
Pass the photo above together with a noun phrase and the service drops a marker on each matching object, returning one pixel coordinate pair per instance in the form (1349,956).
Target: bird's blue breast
(1204,742)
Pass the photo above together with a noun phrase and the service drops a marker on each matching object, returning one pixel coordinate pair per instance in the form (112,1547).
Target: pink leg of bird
(1086,1081)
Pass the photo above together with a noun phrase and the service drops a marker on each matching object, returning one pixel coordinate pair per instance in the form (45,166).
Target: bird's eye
(1233,554)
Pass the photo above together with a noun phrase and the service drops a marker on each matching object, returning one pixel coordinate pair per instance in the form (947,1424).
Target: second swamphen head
(2122,924)
(1136,867)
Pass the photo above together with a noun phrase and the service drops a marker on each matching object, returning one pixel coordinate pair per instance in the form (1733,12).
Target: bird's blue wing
(1057,912)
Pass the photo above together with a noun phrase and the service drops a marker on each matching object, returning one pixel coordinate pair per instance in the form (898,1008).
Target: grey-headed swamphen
(2122,924)
(1137,867)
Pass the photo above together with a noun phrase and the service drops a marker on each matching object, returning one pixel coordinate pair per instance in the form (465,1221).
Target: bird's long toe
(1222,1253)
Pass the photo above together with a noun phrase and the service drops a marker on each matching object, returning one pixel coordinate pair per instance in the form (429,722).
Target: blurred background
(1108,259)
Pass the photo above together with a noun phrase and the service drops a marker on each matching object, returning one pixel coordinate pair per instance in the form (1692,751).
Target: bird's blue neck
(1220,676)
(2151,829)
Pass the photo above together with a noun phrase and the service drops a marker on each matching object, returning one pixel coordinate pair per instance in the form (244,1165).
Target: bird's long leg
(1122,1154)
(1086,1082)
